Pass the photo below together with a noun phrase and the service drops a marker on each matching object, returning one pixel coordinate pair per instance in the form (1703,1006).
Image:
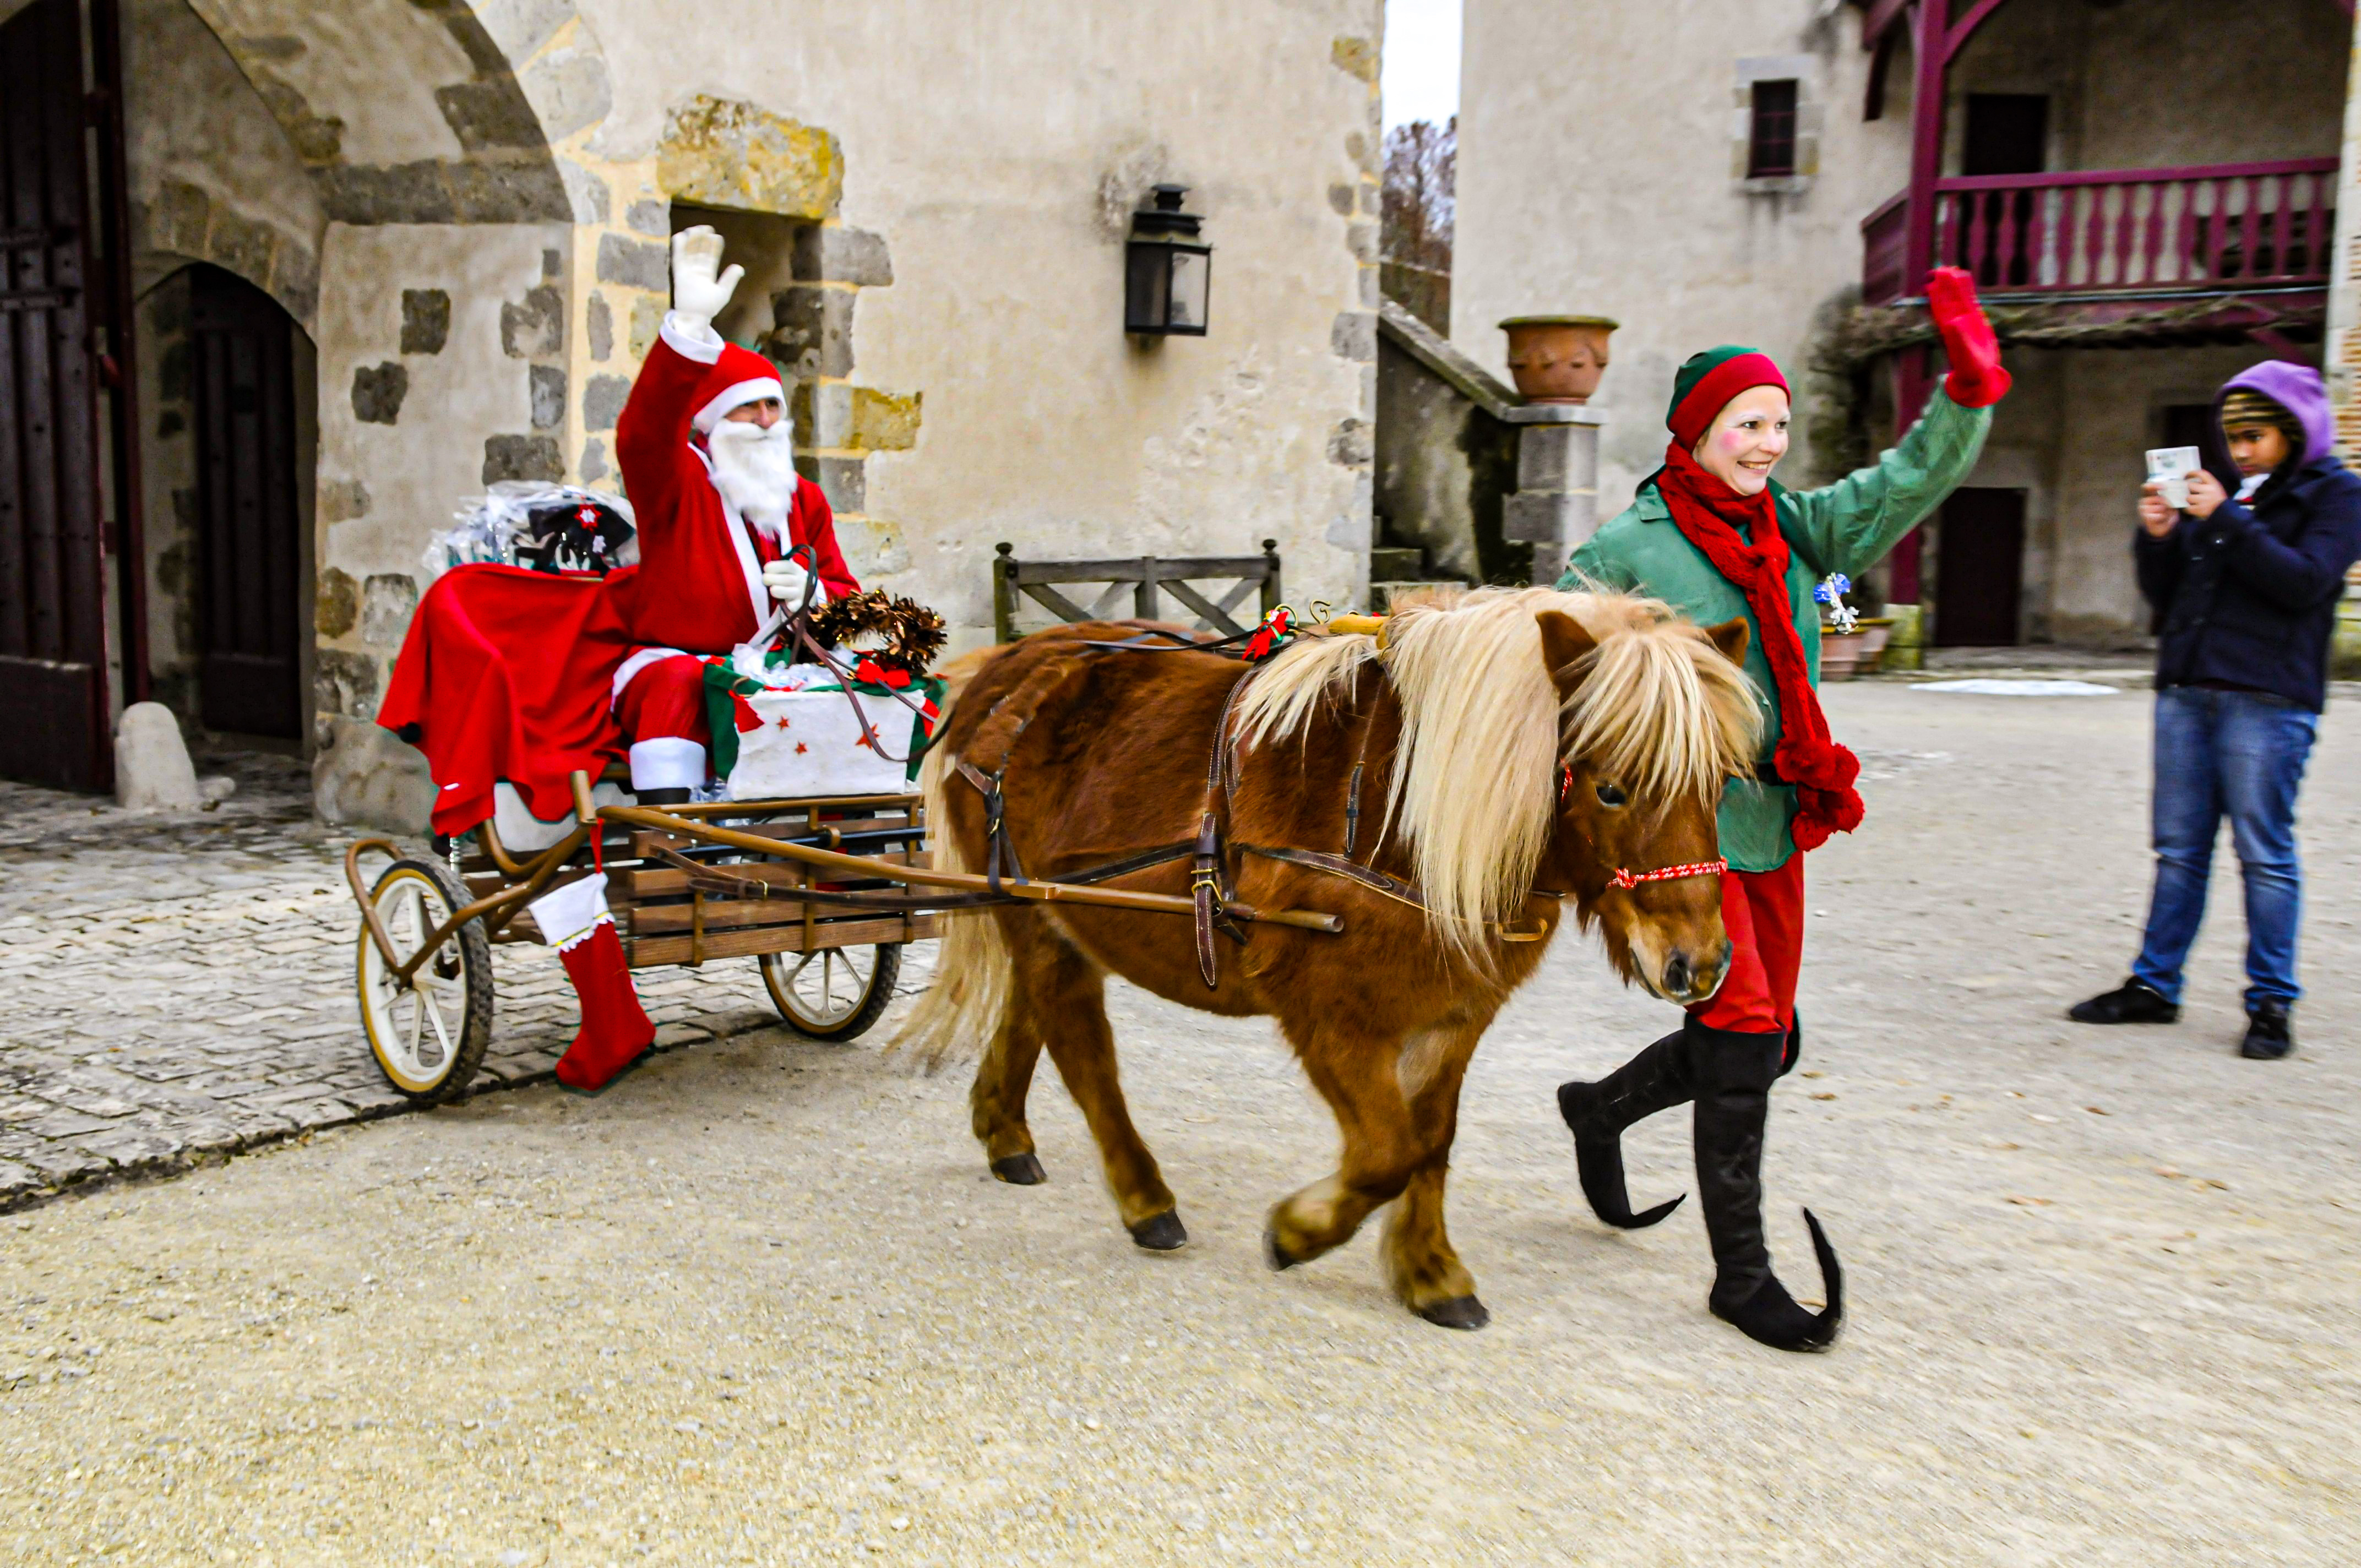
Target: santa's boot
(667,770)
(1656,1079)
(1733,1073)
(615,1031)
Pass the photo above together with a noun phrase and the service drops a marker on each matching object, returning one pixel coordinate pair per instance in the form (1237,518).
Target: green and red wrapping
(729,714)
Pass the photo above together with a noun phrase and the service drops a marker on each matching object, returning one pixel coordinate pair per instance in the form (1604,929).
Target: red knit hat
(740,377)
(1706,383)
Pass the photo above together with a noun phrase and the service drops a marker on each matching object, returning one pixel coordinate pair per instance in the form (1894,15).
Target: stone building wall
(465,207)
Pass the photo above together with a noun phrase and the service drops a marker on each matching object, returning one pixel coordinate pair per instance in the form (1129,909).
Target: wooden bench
(1135,588)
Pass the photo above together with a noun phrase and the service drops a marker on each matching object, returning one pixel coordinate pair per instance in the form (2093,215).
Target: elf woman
(1714,536)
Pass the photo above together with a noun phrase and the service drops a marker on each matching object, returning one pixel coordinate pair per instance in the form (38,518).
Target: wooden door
(54,715)
(1979,569)
(242,368)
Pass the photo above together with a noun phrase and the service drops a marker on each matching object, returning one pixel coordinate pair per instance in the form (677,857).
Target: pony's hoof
(1459,1312)
(1020,1170)
(1161,1232)
(1278,1256)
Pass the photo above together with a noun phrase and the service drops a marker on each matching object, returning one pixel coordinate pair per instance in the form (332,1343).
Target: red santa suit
(698,588)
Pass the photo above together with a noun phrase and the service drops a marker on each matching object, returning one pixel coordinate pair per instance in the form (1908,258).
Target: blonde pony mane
(1474,786)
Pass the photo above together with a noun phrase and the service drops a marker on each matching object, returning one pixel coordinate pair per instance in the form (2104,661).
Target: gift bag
(784,730)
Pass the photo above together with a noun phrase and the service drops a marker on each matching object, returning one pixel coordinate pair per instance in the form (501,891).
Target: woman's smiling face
(1746,439)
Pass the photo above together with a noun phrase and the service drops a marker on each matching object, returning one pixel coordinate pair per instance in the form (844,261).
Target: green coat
(1846,527)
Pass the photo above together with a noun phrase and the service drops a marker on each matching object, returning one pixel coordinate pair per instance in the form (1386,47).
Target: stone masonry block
(728,153)
(822,411)
(367,777)
(341,501)
(378,392)
(387,600)
(398,193)
(569,89)
(843,480)
(602,400)
(1557,458)
(548,396)
(489,114)
(649,216)
(586,196)
(1538,517)
(425,319)
(647,316)
(885,421)
(522,457)
(338,607)
(345,683)
(600,321)
(635,263)
(825,253)
(534,326)
(1351,442)
(1354,336)
(1354,57)
(486,189)
(594,461)
(814,332)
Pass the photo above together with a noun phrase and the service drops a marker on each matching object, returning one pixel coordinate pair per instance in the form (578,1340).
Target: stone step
(1397,563)
(1381,595)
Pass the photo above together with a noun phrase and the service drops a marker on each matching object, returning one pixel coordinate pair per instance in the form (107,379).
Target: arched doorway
(247,518)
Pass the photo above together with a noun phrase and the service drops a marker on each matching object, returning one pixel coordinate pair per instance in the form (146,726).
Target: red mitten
(615,1030)
(1977,379)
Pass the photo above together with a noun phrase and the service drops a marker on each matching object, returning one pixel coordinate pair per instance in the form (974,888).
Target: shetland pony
(1500,755)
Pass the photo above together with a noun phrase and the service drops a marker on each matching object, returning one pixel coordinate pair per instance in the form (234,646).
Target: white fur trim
(691,338)
(670,761)
(756,594)
(634,664)
(746,392)
(572,913)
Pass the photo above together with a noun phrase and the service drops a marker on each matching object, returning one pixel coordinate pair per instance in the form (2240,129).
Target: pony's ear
(1563,641)
(1731,638)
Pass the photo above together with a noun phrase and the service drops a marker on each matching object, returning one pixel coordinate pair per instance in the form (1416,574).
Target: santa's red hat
(740,377)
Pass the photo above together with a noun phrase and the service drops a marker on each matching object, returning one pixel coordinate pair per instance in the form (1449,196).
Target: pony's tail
(960,1014)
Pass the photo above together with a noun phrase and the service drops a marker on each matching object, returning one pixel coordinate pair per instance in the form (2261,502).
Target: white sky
(1421,79)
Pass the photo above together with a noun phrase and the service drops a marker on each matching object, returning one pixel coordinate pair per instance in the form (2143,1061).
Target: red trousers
(664,700)
(1763,914)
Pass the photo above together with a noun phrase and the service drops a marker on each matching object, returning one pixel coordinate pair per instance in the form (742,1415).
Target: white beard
(755,469)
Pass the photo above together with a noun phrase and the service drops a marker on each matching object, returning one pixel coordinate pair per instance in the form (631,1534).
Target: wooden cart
(424,971)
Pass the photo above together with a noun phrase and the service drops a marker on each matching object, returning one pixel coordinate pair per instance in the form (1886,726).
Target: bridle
(1626,878)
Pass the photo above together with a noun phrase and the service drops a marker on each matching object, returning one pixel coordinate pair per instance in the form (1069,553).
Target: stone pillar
(1556,505)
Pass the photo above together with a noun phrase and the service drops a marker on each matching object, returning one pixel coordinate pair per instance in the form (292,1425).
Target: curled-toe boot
(1733,1073)
(1656,1079)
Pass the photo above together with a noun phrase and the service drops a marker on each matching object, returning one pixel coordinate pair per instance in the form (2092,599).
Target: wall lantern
(1168,270)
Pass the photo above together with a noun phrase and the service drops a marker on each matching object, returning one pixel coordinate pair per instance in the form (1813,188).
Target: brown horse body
(1104,754)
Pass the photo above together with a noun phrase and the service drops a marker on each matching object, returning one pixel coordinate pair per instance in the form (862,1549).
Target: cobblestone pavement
(764,1304)
(175,985)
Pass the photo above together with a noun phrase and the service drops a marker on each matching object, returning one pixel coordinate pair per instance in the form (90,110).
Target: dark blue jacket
(2249,595)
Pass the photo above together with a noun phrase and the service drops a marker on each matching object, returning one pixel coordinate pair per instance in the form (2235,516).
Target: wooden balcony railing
(2137,230)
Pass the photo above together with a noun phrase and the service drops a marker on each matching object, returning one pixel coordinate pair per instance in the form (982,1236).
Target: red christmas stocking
(615,1029)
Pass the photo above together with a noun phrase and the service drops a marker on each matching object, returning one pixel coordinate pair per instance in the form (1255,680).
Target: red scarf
(1720,521)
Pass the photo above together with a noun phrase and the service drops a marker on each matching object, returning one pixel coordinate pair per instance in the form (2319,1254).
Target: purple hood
(2297,388)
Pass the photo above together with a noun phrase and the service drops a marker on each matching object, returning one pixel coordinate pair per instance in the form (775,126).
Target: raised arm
(651,436)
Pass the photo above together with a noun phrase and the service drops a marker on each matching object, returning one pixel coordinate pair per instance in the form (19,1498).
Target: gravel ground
(762,1303)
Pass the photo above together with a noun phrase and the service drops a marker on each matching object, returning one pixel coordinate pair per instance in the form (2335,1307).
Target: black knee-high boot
(1733,1073)
(1656,1079)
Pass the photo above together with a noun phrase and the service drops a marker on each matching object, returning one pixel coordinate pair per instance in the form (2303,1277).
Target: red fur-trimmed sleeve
(651,437)
(813,523)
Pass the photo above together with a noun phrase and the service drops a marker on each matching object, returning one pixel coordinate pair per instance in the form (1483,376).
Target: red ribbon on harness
(1625,878)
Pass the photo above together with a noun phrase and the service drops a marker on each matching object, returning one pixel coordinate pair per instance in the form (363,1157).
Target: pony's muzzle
(1688,979)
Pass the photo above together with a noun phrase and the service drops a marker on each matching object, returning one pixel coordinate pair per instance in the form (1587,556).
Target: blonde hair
(1473,785)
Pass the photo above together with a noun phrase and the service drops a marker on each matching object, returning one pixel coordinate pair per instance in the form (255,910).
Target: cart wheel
(428,1036)
(835,993)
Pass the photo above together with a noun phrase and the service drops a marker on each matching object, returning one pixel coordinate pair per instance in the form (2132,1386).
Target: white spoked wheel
(428,1036)
(834,993)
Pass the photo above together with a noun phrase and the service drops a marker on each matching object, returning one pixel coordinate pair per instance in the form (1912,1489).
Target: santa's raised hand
(701,287)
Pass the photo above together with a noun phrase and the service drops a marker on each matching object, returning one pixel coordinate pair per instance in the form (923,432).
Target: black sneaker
(2133,1002)
(2268,1035)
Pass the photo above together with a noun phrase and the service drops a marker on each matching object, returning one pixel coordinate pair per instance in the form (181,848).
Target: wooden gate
(242,371)
(53,695)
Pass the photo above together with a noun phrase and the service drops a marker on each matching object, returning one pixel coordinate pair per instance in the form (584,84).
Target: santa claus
(707,453)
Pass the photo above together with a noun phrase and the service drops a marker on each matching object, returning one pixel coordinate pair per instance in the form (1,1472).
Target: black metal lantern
(1168,270)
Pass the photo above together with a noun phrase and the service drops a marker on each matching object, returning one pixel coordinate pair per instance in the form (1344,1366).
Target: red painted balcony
(2228,228)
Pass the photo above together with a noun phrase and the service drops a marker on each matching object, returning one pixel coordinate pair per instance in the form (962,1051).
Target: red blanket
(509,674)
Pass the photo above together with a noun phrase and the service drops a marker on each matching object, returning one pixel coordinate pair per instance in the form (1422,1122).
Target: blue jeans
(2240,754)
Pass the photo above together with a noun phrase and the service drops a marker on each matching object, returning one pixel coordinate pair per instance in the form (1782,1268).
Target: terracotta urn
(1846,655)
(1557,359)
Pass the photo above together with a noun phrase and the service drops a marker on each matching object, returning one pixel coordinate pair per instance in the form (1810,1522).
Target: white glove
(786,579)
(700,288)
